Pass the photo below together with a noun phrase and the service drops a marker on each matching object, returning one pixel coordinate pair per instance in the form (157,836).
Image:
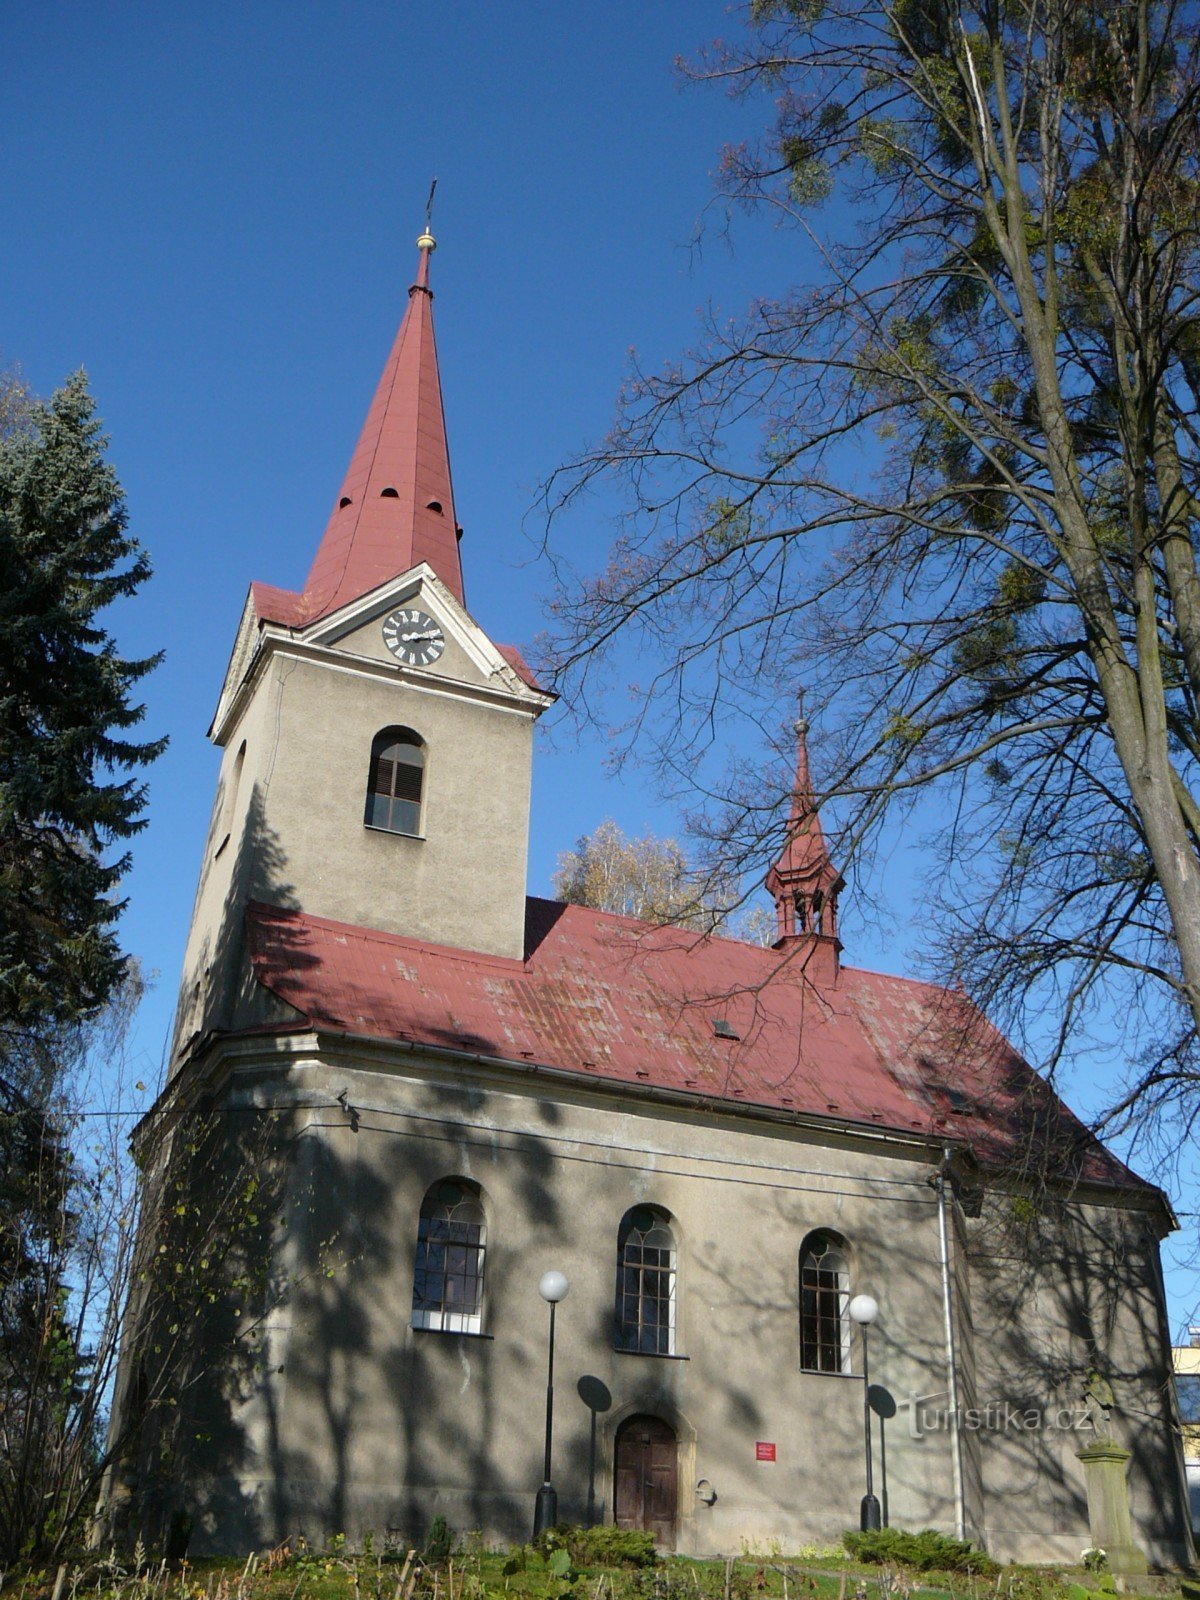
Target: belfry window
(451,1242)
(824,1299)
(646,1283)
(396,782)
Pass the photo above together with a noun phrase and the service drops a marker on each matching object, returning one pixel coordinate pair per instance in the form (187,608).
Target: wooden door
(645,1472)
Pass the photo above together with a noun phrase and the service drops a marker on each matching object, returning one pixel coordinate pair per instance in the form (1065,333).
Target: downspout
(960,1531)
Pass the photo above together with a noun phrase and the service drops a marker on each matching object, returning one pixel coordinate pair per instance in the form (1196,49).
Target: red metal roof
(520,666)
(278,605)
(623,1002)
(396,506)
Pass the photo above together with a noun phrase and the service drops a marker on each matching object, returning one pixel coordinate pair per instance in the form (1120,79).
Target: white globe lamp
(553,1286)
(864,1308)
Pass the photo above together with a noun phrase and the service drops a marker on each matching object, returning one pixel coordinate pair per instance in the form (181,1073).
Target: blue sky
(212,208)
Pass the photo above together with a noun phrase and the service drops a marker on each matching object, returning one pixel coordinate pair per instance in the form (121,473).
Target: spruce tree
(68,795)
(68,786)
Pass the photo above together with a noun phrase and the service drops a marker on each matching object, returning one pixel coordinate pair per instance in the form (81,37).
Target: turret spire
(396,505)
(803,881)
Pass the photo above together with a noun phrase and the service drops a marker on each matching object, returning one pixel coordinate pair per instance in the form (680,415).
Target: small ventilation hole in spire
(389,493)
(434,505)
(343,502)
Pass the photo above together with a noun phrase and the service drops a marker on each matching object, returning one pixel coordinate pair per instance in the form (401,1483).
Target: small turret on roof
(803,882)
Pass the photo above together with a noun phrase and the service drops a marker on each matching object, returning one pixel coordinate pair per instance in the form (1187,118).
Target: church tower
(376,743)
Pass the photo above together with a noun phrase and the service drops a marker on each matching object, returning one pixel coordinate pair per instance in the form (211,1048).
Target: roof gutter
(956,1452)
(653,1093)
(683,1098)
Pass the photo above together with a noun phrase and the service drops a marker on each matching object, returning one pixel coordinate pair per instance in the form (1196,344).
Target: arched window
(451,1240)
(824,1298)
(396,781)
(229,803)
(646,1282)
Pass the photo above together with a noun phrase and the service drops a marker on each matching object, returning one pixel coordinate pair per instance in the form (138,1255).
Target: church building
(723,1148)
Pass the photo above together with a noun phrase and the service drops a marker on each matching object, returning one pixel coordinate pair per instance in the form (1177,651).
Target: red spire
(804,882)
(396,506)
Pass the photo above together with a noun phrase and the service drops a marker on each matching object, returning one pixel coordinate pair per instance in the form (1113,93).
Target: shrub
(602,1546)
(610,1546)
(928,1551)
(439,1541)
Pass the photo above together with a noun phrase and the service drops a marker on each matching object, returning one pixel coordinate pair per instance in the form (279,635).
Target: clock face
(413,637)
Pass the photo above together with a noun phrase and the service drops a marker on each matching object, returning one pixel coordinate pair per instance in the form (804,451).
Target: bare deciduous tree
(950,485)
(652,879)
(146,1276)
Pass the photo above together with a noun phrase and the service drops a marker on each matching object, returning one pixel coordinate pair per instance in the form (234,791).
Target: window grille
(824,1299)
(646,1284)
(396,780)
(1187,1388)
(451,1242)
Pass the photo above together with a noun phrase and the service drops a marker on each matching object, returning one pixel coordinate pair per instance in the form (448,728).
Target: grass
(299,1573)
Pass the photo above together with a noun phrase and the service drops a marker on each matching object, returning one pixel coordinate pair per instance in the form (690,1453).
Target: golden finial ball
(427,241)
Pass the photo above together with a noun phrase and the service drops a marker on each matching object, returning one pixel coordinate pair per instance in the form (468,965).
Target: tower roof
(396,504)
(803,880)
(804,860)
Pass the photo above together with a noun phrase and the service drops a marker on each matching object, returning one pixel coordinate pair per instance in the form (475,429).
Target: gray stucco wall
(352,1420)
(1059,1289)
(287,823)
(463,882)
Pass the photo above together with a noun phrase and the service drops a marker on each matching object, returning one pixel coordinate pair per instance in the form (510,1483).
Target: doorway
(645,1474)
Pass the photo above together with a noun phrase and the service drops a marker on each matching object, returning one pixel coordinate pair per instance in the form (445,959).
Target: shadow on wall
(223,991)
(296,1249)
(1061,1290)
(208,1273)
(362,1440)
(208,1278)
(342,1266)
(482,1453)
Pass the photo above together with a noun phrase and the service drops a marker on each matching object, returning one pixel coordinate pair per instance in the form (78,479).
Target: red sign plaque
(764,1451)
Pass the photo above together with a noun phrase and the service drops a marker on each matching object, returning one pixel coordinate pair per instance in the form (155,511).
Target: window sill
(648,1355)
(393,833)
(452,1333)
(814,1372)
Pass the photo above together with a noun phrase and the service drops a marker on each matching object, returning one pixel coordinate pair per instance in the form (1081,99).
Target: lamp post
(863,1310)
(553,1287)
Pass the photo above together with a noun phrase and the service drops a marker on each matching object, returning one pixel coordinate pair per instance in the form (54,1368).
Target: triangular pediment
(469,659)
(469,655)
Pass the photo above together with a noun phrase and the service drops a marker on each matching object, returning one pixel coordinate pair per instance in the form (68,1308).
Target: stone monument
(1105,1469)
